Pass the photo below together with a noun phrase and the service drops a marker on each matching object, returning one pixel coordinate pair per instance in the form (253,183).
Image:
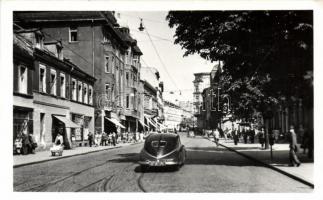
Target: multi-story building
(153,99)
(187,105)
(201,81)
(51,94)
(94,41)
(173,115)
(131,82)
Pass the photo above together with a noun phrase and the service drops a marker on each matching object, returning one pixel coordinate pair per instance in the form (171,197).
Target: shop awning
(150,122)
(116,122)
(161,125)
(68,123)
(142,123)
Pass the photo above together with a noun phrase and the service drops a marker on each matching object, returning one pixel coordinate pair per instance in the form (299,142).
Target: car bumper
(154,163)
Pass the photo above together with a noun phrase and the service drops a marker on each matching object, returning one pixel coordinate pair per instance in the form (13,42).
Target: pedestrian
(216,135)
(261,137)
(114,138)
(110,139)
(252,135)
(293,148)
(26,146)
(104,138)
(245,135)
(137,136)
(90,138)
(235,136)
(59,141)
(96,139)
(33,143)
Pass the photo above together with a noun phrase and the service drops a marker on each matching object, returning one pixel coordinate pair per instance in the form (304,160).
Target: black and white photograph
(176,100)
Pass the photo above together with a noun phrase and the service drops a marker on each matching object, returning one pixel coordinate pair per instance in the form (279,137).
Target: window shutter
(58,83)
(15,77)
(30,81)
(48,83)
(67,87)
(36,76)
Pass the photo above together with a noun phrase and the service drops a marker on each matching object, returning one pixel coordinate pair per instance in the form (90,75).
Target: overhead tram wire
(146,19)
(161,61)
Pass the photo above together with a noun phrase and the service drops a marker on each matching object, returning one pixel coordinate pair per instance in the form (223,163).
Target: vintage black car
(162,149)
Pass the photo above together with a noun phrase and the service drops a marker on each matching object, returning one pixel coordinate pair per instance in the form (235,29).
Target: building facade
(59,95)
(153,99)
(95,42)
(201,81)
(174,115)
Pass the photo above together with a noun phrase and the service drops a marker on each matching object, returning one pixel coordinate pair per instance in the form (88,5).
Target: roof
(23,45)
(137,50)
(44,18)
(55,16)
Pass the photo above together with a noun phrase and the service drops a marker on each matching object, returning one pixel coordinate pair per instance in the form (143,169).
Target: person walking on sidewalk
(252,135)
(26,144)
(261,137)
(104,138)
(90,138)
(114,138)
(235,136)
(216,135)
(33,143)
(293,148)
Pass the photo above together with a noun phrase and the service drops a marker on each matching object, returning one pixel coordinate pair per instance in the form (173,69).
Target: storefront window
(22,123)
(77,133)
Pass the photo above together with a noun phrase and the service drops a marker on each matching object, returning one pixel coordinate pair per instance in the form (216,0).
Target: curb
(270,166)
(62,157)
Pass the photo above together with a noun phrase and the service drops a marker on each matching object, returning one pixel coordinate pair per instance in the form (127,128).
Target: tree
(262,50)
(266,54)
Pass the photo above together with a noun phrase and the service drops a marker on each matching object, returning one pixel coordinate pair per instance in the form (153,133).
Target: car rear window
(161,145)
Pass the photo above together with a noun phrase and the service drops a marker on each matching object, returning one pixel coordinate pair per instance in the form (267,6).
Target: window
(62,85)
(74,89)
(53,82)
(42,78)
(85,95)
(112,65)
(127,78)
(107,68)
(42,127)
(107,91)
(73,34)
(80,88)
(90,95)
(127,101)
(39,40)
(22,84)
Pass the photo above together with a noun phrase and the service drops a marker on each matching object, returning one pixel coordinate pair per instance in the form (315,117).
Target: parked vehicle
(162,149)
(18,145)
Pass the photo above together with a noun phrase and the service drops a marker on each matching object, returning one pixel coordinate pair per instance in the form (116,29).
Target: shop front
(22,124)
(79,134)
(64,126)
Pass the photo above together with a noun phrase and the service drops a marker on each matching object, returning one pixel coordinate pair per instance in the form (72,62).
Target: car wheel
(177,167)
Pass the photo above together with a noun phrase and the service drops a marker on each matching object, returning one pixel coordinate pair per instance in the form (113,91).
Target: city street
(207,169)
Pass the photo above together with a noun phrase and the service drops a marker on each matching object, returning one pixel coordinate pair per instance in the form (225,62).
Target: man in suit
(293,159)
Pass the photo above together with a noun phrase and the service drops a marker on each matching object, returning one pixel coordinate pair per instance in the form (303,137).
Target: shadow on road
(166,169)
(217,156)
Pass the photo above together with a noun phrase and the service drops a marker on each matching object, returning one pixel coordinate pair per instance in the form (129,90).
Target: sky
(180,69)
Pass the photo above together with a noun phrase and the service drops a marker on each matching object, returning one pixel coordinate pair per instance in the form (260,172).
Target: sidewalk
(43,156)
(280,162)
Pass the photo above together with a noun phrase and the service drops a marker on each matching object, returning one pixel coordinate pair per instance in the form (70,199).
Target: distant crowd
(112,139)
